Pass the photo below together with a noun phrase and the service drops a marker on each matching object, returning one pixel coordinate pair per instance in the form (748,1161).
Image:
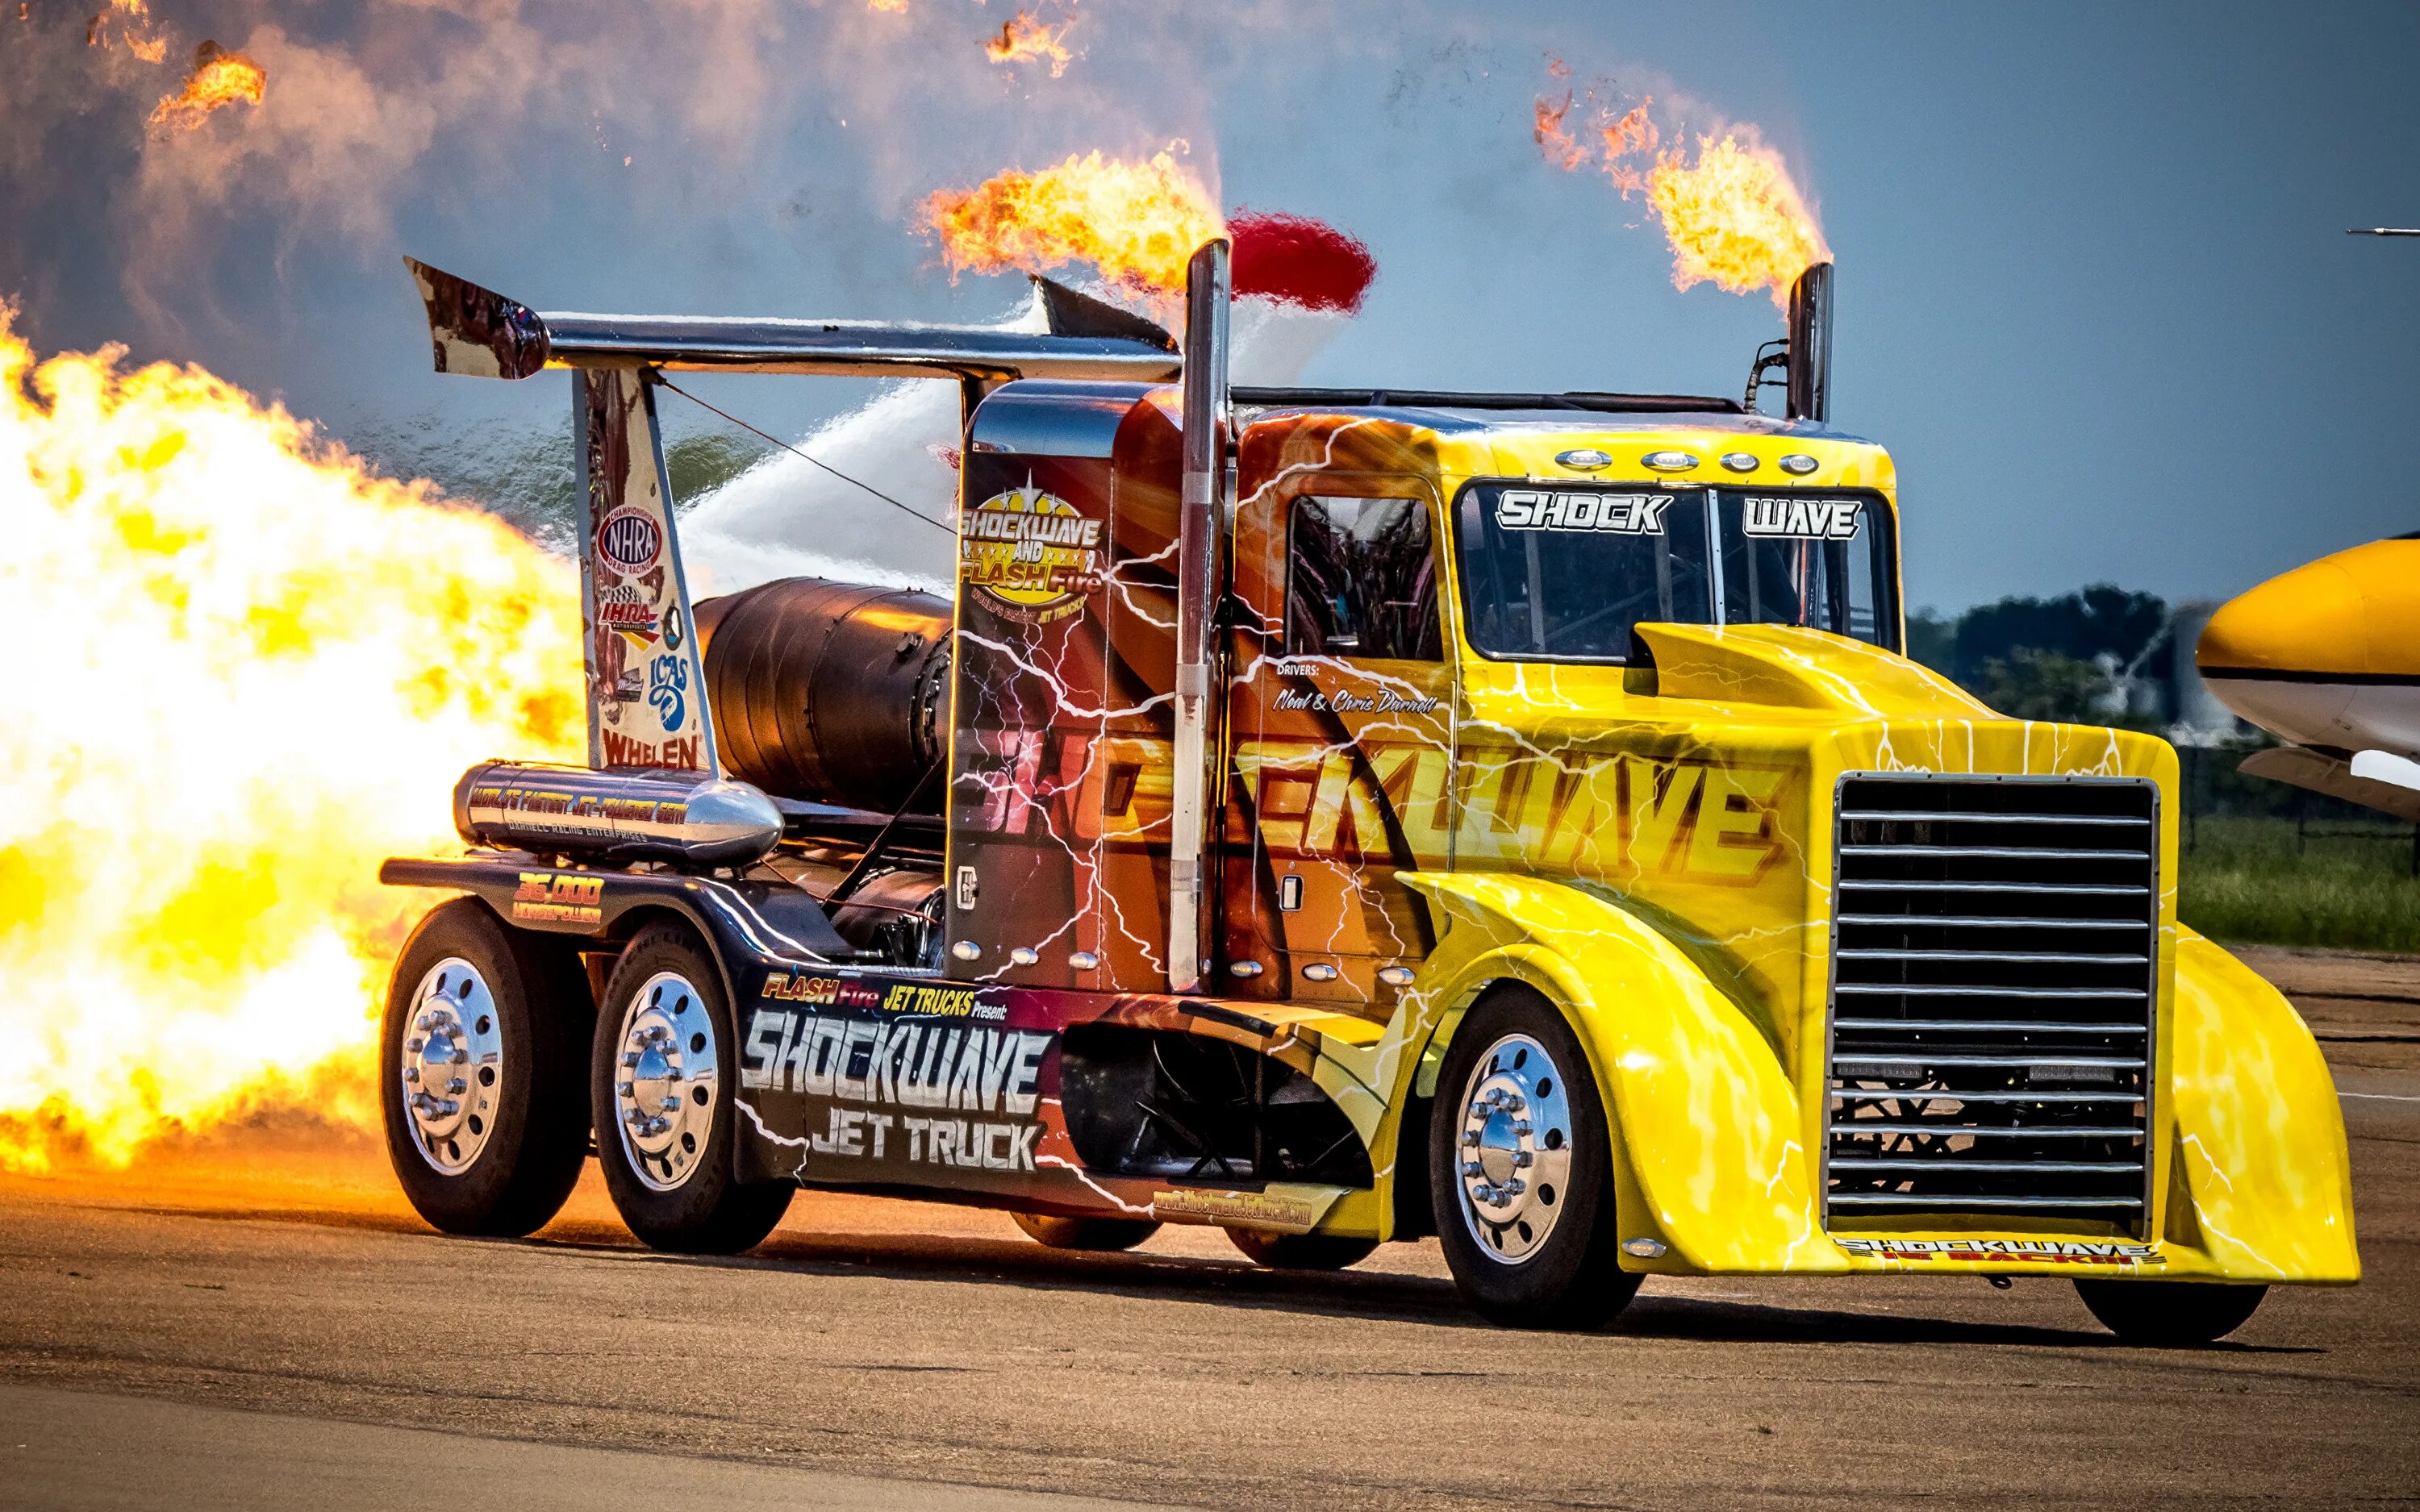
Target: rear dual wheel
(480,1060)
(1521,1170)
(661,1077)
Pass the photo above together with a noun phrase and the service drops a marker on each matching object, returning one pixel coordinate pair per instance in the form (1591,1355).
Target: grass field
(2351,885)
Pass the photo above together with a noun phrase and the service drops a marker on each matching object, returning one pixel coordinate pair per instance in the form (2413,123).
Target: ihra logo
(1031,555)
(630,539)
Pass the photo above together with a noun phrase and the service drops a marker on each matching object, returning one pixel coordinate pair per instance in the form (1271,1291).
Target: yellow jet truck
(1340,816)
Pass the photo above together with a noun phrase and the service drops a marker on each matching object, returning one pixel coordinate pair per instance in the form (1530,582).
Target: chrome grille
(1994,949)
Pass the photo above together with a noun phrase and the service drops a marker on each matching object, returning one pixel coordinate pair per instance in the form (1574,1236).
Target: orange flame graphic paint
(245,669)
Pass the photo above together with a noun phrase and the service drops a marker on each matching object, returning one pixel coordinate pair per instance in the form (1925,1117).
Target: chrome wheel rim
(1514,1149)
(665,1081)
(451,1066)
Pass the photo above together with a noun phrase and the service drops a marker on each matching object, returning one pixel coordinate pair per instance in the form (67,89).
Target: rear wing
(480,332)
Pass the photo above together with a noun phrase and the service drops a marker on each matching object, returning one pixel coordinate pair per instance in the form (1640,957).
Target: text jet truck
(1340,816)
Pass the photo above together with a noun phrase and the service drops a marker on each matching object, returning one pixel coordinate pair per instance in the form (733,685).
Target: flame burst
(221,77)
(1732,214)
(1138,223)
(1734,219)
(247,670)
(1026,38)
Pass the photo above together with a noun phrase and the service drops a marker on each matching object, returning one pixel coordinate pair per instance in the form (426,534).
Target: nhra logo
(628,538)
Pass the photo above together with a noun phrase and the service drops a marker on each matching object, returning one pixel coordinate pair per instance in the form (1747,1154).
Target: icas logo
(1031,555)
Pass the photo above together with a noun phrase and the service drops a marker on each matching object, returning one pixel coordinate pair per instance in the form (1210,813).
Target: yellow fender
(2260,1136)
(1705,1123)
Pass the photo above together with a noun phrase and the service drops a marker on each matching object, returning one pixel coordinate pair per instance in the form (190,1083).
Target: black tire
(1563,1271)
(688,1200)
(1086,1233)
(2170,1314)
(509,1012)
(1301,1252)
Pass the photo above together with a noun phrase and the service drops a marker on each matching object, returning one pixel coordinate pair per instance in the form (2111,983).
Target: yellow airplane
(2328,657)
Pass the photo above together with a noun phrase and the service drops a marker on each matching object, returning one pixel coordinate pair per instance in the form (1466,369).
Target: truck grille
(1995,945)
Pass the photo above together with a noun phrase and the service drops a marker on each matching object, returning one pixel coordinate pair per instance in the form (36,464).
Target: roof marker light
(1585,458)
(1799,463)
(1670,461)
(1740,461)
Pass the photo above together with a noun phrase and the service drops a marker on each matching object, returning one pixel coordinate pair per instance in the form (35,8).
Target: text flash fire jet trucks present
(1340,816)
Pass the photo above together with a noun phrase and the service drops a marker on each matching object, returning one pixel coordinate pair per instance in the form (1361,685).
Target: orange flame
(1025,37)
(1734,219)
(250,670)
(131,15)
(1561,147)
(1733,215)
(1138,223)
(221,77)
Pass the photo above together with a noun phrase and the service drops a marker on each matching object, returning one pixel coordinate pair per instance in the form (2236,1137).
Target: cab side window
(1361,580)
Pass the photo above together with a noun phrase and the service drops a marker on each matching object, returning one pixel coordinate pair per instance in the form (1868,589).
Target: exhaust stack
(1199,518)
(1810,345)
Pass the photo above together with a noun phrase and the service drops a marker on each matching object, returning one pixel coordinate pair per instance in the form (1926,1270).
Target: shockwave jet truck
(1340,816)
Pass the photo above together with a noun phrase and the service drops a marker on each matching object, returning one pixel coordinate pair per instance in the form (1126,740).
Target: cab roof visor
(478,332)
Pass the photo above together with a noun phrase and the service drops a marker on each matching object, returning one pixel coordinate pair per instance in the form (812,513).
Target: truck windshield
(1564,573)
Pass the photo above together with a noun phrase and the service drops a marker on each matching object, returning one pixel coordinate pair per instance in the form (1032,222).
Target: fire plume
(1734,219)
(1025,38)
(1732,214)
(221,77)
(247,670)
(1136,222)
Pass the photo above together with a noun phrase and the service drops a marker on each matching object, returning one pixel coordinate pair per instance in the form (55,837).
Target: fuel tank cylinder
(830,692)
(687,818)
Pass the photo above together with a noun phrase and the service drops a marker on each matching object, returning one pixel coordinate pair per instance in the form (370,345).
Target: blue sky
(2094,288)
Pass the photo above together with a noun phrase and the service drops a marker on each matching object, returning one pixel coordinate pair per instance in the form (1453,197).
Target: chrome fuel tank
(687,818)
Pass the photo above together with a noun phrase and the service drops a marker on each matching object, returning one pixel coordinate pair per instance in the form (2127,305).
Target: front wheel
(1301,1252)
(2170,1314)
(1521,1170)
(1098,1234)
(479,1073)
(662,1078)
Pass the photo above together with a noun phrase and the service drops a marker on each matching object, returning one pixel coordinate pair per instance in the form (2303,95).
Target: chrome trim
(1199,513)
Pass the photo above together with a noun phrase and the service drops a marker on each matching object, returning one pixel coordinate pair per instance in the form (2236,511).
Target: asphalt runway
(252,1323)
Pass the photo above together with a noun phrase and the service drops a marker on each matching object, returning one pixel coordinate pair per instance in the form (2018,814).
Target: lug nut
(457,1087)
(411,1046)
(629,1058)
(1469,1138)
(1524,1159)
(1471,1167)
(411,1075)
(422,1021)
(1520,1126)
(623,1089)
